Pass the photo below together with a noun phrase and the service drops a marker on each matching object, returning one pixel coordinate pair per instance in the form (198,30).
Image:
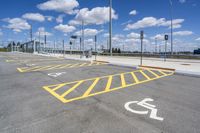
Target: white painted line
(56,74)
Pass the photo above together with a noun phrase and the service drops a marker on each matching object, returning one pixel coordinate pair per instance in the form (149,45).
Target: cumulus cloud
(42,32)
(34,16)
(158,37)
(133,35)
(59,19)
(65,28)
(97,15)
(17,24)
(133,12)
(66,6)
(88,32)
(198,39)
(49,18)
(183,33)
(152,22)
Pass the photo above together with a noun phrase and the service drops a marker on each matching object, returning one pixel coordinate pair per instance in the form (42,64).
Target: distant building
(197,51)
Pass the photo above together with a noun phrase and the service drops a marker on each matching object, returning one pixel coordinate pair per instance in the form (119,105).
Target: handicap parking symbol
(149,107)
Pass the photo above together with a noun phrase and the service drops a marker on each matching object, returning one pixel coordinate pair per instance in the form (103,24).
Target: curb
(161,68)
(101,61)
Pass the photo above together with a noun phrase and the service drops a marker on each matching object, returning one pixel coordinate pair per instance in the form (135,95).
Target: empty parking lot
(48,94)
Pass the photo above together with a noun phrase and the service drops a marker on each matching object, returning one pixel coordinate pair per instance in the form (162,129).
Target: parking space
(59,95)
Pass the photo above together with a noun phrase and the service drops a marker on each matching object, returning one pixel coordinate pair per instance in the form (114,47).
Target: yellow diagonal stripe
(134,77)
(58,87)
(162,73)
(123,80)
(152,73)
(108,83)
(71,89)
(91,87)
(145,75)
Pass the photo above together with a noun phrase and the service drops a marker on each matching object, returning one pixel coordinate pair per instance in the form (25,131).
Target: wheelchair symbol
(143,103)
(56,74)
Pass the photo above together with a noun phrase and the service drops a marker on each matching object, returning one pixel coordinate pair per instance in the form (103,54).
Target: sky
(60,19)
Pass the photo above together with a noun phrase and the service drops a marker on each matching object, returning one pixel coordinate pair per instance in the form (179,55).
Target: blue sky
(59,19)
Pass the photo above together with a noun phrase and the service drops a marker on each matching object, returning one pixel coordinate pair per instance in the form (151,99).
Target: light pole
(110,27)
(141,53)
(170,1)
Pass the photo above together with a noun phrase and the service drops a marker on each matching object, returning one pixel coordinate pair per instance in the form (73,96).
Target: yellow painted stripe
(20,70)
(83,64)
(58,87)
(54,67)
(152,72)
(114,89)
(134,77)
(108,83)
(162,73)
(64,66)
(71,89)
(91,87)
(145,75)
(29,69)
(74,65)
(55,94)
(41,68)
(123,80)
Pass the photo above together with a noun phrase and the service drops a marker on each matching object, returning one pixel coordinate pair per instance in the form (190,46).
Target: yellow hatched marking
(58,87)
(88,93)
(54,67)
(123,80)
(145,75)
(162,73)
(74,65)
(83,64)
(109,83)
(27,69)
(64,66)
(71,89)
(41,68)
(152,73)
(91,87)
(134,77)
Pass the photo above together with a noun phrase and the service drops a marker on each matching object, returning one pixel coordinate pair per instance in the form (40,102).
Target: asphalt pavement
(41,94)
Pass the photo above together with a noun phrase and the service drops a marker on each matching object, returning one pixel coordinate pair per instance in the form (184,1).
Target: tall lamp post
(110,27)
(171,6)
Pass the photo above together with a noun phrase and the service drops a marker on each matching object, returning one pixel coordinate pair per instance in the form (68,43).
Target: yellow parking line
(91,87)
(152,72)
(71,89)
(162,72)
(134,77)
(109,83)
(83,64)
(58,87)
(64,66)
(144,75)
(42,68)
(123,80)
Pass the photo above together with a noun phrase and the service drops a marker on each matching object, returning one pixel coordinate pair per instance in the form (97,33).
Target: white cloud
(198,39)
(183,33)
(158,37)
(133,35)
(152,22)
(88,32)
(1,33)
(59,19)
(34,16)
(66,6)
(133,12)
(49,18)
(65,28)
(97,15)
(17,24)
(42,32)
